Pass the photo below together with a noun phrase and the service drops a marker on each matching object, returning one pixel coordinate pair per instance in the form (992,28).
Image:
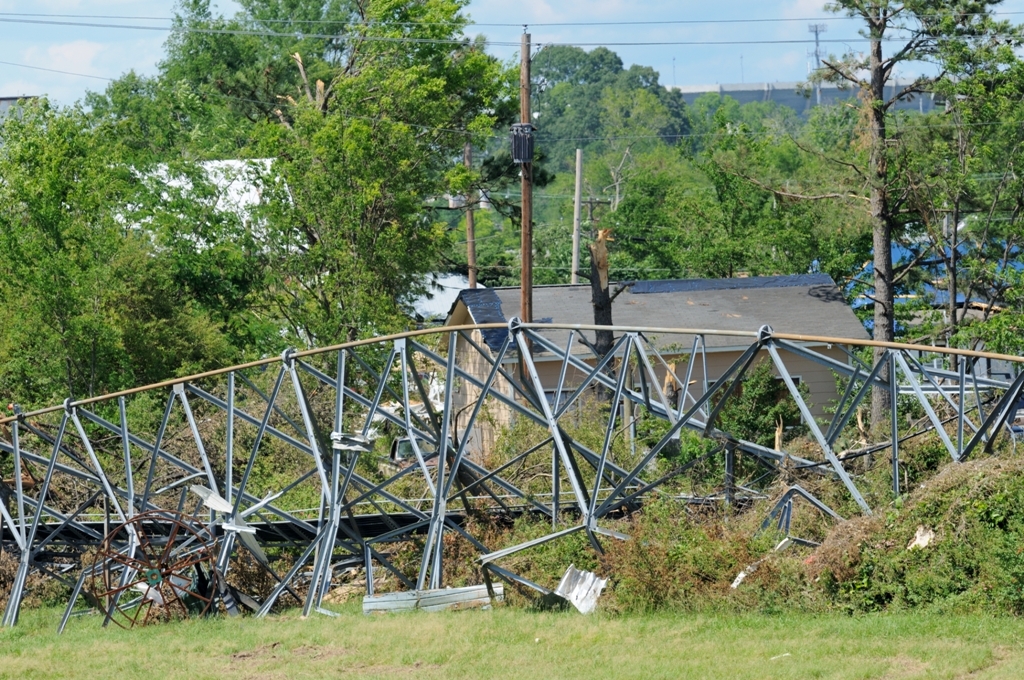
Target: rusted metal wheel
(156,567)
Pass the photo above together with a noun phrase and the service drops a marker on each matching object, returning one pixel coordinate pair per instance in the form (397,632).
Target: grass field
(511,643)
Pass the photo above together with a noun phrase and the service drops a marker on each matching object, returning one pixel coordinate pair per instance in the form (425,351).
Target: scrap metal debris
(783,544)
(580,588)
(432,600)
(409,388)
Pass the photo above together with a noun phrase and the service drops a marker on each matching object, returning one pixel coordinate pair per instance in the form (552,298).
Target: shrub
(974,563)
(673,560)
(758,405)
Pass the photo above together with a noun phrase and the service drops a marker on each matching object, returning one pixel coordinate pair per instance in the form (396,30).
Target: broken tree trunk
(601,299)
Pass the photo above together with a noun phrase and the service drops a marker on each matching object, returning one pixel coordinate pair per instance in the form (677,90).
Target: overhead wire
(54,70)
(459,41)
(23,17)
(519,24)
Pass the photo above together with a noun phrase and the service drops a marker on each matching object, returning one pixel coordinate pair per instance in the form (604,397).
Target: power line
(83,16)
(244,32)
(676,22)
(766,20)
(459,41)
(54,70)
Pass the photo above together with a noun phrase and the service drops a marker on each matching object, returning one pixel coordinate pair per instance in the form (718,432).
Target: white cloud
(77,56)
(18,88)
(799,9)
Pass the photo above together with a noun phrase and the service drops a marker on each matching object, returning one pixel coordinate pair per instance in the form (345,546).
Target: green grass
(512,643)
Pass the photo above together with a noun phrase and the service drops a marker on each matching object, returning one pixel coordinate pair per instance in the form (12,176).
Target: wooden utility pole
(576,218)
(526,247)
(591,202)
(467,159)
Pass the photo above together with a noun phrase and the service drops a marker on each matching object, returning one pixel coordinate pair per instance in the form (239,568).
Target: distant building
(6,103)
(802,100)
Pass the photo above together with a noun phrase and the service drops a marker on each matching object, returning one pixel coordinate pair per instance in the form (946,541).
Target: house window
(550,395)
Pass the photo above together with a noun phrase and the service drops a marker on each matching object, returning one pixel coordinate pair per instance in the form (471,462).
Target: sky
(96,53)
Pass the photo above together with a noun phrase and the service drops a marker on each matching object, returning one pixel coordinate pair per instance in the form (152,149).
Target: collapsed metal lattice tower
(162,515)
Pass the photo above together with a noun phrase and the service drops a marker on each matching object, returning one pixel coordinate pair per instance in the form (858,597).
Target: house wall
(819,380)
(495,415)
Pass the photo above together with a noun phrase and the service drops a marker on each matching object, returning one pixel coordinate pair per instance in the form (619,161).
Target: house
(8,103)
(808,304)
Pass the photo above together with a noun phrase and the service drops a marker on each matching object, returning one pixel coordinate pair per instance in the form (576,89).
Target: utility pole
(467,159)
(526,243)
(577,204)
(591,202)
(817,30)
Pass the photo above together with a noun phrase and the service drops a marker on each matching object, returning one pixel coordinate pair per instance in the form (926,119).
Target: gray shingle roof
(807,304)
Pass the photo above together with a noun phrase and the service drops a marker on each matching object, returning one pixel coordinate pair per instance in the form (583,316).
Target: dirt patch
(413,669)
(906,667)
(263,651)
(314,652)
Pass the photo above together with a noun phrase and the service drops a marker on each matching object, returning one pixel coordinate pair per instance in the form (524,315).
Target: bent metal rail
(164,507)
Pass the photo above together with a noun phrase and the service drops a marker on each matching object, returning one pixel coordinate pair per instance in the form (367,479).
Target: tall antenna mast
(817,30)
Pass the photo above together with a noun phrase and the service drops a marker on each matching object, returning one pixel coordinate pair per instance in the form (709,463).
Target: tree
(357,159)
(575,107)
(632,120)
(88,305)
(964,183)
(364,128)
(248,69)
(718,216)
(920,29)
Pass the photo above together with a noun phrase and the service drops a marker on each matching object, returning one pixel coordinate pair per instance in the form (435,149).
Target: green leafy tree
(575,108)
(718,216)
(88,304)
(963,182)
(362,130)
(631,119)
(760,405)
(918,31)
(358,157)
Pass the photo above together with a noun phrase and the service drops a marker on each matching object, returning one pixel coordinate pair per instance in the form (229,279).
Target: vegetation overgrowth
(686,558)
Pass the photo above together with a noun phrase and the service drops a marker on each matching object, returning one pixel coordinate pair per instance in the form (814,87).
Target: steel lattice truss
(164,508)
